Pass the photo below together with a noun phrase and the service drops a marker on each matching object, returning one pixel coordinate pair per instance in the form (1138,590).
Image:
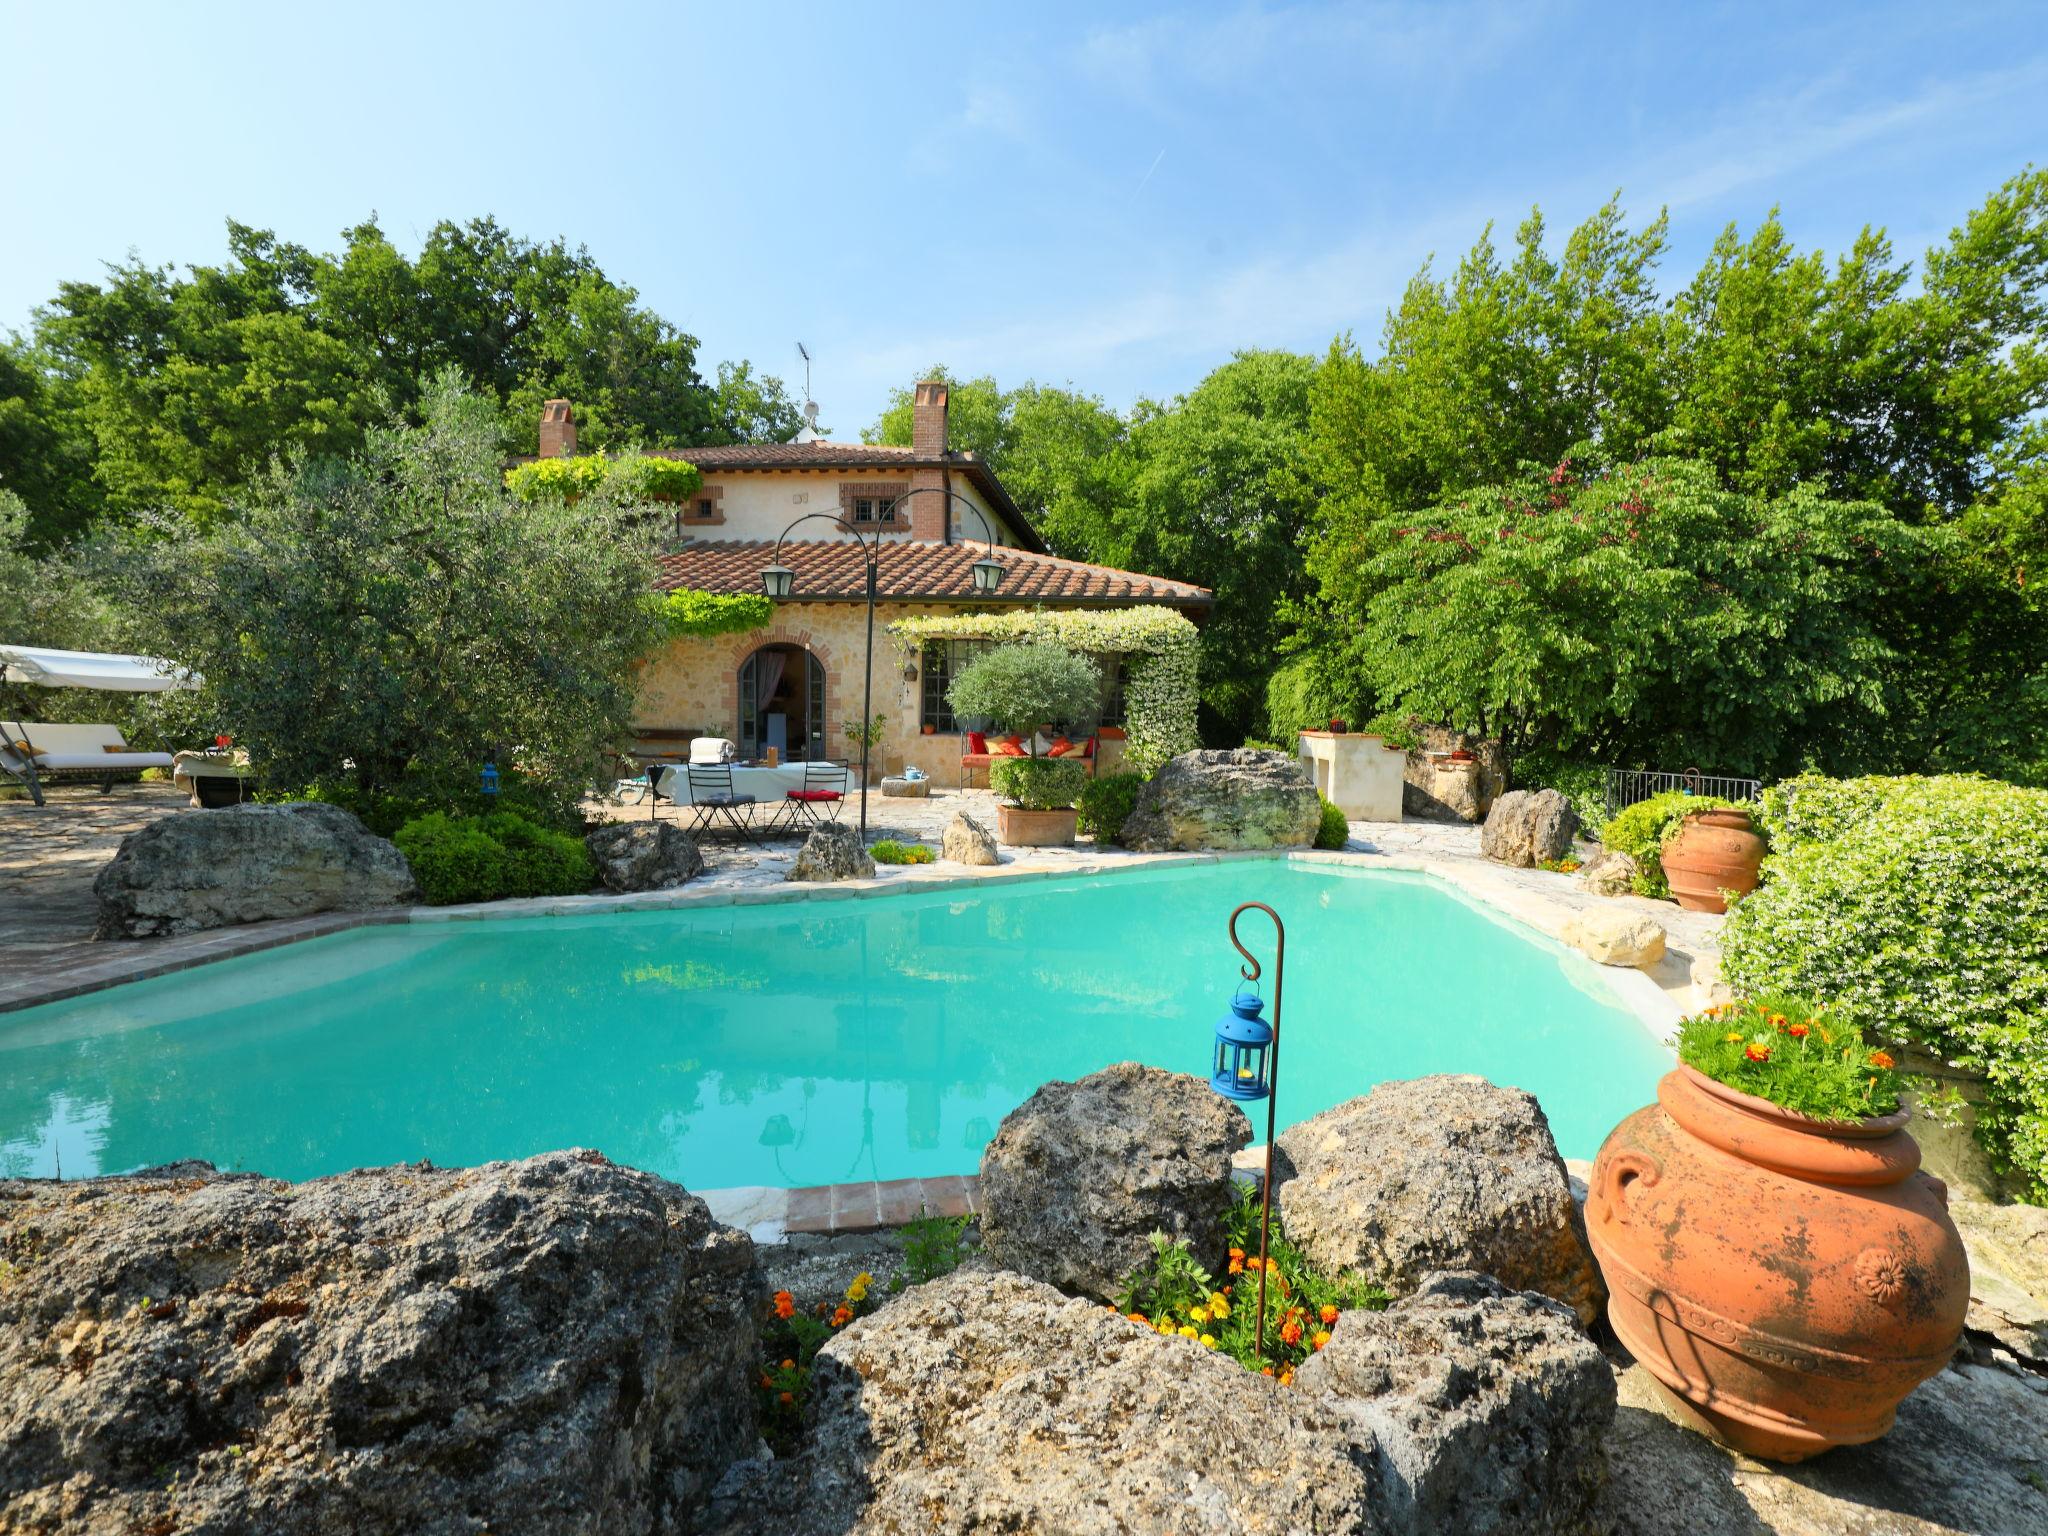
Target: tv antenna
(810,430)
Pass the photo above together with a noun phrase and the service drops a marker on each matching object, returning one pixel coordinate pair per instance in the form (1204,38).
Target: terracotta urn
(1714,851)
(1787,1281)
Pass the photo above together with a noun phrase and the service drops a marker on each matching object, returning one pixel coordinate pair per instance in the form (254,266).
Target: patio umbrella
(92,669)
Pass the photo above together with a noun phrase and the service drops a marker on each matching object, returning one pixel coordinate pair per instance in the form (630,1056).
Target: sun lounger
(37,754)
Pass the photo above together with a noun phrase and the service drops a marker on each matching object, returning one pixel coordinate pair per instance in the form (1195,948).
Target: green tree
(390,622)
(45,450)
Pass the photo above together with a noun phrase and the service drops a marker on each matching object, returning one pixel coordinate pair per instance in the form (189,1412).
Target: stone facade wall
(759,504)
(693,684)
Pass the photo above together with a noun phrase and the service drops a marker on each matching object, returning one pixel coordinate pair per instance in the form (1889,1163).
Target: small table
(214,779)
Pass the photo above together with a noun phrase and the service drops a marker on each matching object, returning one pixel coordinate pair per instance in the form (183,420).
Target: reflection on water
(793,1045)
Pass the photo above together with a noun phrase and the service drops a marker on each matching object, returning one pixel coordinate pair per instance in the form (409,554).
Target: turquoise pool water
(801,1043)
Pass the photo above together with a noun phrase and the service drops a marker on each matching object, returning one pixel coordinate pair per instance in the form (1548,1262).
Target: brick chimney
(928,419)
(558,430)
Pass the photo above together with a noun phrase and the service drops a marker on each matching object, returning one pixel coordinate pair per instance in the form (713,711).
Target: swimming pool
(798,1043)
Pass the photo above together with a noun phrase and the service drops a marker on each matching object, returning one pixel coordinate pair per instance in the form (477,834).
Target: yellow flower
(1208,1341)
(1731,1038)
(1166,1326)
(1198,1315)
(1191,1333)
(1219,1308)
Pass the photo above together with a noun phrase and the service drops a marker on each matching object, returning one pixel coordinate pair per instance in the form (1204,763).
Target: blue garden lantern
(1243,1051)
(1247,1067)
(487,781)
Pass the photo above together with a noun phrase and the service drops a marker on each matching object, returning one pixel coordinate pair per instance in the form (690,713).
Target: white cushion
(116,760)
(55,739)
(713,749)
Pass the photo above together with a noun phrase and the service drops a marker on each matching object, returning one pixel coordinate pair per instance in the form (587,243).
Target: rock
(1437,1173)
(1489,1408)
(967,841)
(989,1402)
(553,1345)
(1445,790)
(1240,798)
(644,855)
(1608,873)
(895,787)
(1527,827)
(1968,1453)
(833,852)
(1616,937)
(2008,1248)
(244,864)
(1080,1175)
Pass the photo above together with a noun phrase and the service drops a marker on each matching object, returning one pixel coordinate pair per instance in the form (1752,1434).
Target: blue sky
(1117,196)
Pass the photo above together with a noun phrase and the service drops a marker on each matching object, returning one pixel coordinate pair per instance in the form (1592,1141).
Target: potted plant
(1027,688)
(1774,1257)
(1710,851)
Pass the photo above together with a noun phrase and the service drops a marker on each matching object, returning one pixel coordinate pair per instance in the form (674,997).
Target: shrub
(1107,802)
(385,811)
(1024,687)
(889,851)
(1641,830)
(1788,1051)
(1915,909)
(1038,783)
(1334,830)
(714,613)
(487,858)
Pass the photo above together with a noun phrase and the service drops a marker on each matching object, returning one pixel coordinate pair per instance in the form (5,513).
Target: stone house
(796,683)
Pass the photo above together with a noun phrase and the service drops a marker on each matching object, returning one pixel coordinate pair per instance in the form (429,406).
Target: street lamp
(778,581)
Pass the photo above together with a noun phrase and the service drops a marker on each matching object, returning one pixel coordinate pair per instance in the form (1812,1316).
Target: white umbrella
(92,669)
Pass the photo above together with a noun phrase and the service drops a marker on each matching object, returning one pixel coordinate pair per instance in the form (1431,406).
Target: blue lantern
(488,780)
(1243,1051)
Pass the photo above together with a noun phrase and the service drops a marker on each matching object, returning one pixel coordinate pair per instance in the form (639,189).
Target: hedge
(488,858)
(1917,908)
(1038,783)
(1106,804)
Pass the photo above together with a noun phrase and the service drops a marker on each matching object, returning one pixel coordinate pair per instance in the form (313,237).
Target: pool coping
(830,1211)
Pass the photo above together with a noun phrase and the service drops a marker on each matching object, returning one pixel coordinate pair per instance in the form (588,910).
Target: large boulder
(1527,827)
(833,852)
(989,1402)
(1080,1175)
(1437,1173)
(243,864)
(644,855)
(1241,798)
(1615,936)
(1488,1407)
(967,841)
(550,1346)
(1436,787)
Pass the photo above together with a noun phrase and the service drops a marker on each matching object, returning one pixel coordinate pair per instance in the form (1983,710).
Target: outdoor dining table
(768,786)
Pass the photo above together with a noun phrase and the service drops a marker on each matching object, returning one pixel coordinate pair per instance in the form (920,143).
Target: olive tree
(386,624)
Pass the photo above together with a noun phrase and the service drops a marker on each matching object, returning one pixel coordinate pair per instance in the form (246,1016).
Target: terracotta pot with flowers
(1774,1256)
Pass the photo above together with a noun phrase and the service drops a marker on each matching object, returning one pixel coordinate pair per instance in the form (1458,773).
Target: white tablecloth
(766,785)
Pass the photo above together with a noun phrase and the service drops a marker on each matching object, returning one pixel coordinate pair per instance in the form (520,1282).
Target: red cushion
(977,743)
(1089,750)
(814,794)
(1010,746)
(1060,747)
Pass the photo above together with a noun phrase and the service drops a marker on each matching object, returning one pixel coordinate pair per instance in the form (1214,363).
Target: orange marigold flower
(1291,1334)
(767,1381)
(1329,1314)
(787,1398)
(1321,1338)
(1882,1059)
(1267,1371)
(1237,1253)
(1755,1052)
(789,1365)
(841,1318)
(785,1305)
(1797,1031)
(1287,1378)
(1777,1021)
(1139,1317)
(1237,1266)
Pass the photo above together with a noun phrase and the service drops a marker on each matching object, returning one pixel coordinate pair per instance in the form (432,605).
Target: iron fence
(1626,786)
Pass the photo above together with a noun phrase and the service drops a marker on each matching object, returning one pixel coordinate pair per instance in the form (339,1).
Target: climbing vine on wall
(714,613)
(1157,644)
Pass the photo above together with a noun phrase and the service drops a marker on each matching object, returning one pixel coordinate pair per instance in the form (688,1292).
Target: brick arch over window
(759,639)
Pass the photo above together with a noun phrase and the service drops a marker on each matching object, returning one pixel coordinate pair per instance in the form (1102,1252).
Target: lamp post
(1247,1069)
(779,582)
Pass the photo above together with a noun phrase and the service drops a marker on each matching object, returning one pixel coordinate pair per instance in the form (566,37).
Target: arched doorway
(782,704)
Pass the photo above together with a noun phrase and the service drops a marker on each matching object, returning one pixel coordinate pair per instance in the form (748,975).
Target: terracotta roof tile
(833,570)
(820,455)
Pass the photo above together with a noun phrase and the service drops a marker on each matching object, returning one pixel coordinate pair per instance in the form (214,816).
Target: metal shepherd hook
(1251,971)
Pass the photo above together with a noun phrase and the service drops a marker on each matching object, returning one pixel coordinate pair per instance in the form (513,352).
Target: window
(1112,665)
(944,661)
(703,509)
(873,509)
